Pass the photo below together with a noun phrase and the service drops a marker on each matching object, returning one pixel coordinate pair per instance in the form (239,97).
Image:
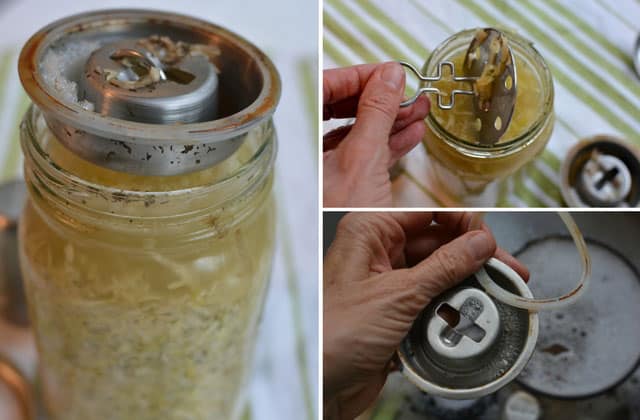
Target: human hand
(357,158)
(380,272)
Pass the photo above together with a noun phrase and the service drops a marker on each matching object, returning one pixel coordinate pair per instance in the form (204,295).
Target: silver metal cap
(128,81)
(159,93)
(493,104)
(601,171)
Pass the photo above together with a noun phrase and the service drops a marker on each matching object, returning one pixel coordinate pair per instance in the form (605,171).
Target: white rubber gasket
(536,305)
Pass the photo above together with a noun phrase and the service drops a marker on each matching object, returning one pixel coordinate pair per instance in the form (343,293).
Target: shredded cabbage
(152,330)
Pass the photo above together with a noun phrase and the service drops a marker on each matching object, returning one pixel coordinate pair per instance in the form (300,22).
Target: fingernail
(393,75)
(480,245)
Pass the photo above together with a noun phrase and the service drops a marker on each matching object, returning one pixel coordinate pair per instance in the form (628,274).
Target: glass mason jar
(145,302)
(145,291)
(462,170)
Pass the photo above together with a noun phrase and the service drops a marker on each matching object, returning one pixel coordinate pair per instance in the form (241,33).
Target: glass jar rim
(256,169)
(523,140)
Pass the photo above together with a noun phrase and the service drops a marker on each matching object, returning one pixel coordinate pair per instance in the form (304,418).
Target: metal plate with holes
(494,111)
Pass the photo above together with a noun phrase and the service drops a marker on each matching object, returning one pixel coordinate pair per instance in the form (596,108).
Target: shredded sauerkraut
(461,120)
(152,330)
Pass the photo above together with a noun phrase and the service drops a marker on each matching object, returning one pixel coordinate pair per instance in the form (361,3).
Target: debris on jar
(498,49)
(162,64)
(169,52)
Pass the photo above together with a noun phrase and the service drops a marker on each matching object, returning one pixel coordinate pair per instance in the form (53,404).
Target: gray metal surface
(159,99)
(163,128)
(593,345)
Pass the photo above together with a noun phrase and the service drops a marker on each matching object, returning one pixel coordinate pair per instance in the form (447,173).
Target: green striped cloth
(588,45)
(285,380)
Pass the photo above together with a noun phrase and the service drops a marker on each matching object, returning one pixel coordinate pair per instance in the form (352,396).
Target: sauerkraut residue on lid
(461,121)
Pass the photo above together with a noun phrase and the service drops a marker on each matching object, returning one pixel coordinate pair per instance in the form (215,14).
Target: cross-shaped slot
(461,323)
(608,176)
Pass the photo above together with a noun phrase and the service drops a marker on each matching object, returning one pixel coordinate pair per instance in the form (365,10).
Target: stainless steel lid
(152,80)
(466,344)
(601,171)
(148,92)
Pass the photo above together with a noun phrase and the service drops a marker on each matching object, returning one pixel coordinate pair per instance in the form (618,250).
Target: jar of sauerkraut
(460,168)
(145,283)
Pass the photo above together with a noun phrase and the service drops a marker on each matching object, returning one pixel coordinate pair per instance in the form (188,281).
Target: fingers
(378,107)
(424,238)
(404,141)
(342,89)
(342,86)
(416,112)
(451,264)
(347,108)
(413,222)
(459,221)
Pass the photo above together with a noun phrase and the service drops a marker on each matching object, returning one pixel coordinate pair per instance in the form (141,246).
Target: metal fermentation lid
(171,93)
(601,171)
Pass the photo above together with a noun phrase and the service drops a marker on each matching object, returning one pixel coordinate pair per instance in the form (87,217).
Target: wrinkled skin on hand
(380,272)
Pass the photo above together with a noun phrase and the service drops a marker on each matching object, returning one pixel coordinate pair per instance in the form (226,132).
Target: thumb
(379,105)
(450,265)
